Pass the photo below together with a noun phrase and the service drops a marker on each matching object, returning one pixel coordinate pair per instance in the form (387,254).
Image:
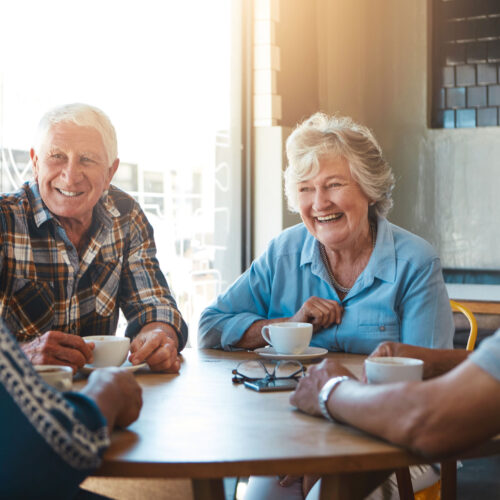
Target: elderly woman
(356,277)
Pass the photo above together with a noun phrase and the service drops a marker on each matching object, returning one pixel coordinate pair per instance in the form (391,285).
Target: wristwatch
(324,394)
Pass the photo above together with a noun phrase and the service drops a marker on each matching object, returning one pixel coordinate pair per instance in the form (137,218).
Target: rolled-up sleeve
(145,296)
(223,323)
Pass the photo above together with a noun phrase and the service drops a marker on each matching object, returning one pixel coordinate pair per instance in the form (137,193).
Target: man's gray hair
(83,115)
(338,137)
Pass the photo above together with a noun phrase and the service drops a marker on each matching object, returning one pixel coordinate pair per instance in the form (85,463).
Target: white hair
(338,137)
(82,115)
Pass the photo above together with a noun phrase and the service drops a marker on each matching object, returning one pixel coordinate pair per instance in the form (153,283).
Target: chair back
(457,307)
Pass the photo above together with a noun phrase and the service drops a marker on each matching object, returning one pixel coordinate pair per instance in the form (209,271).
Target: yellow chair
(448,479)
(457,307)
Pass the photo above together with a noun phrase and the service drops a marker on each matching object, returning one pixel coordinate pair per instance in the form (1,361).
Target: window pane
(161,71)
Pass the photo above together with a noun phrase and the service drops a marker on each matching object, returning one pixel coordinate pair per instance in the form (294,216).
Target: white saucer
(309,353)
(126,366)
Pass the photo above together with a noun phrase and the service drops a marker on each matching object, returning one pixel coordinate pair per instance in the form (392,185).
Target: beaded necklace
(326,262)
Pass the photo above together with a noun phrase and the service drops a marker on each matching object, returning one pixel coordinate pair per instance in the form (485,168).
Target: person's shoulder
(16,201)
(123,202)
(409,245)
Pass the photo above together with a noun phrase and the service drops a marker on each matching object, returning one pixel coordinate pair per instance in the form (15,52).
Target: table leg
(405,487)
(449,480)
(208,489)
(352,485)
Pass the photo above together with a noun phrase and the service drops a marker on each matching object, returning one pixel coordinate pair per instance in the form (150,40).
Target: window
(164,73)
(466,63)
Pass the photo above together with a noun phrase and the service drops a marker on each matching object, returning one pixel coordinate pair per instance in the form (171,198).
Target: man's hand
(58,348)
(117,394)
(305,397)
(156,344)
(322,313)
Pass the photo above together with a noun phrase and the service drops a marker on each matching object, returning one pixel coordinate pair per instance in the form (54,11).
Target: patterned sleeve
(145,296)
(50,441)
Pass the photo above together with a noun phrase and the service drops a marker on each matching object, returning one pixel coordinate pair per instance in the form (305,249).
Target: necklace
(326,262)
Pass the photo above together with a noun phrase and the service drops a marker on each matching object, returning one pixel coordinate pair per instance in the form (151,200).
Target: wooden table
(483,299)
(199,425)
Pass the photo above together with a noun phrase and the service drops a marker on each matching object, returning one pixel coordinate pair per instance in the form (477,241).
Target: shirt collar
(382,263)
(41,213)
(105,210)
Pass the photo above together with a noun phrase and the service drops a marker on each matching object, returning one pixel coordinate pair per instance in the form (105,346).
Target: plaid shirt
(45,285)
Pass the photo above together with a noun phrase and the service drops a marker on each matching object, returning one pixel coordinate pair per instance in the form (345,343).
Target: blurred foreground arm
(434,418)
(117,394)
(50,440)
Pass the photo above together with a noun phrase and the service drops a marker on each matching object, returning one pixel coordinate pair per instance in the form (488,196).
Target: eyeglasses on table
(268,370)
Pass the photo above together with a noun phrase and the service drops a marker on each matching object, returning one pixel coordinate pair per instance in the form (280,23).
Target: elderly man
(456,408)
(74,250)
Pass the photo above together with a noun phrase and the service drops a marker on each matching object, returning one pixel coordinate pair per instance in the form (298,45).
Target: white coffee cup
(288,337)
(108,350)
(58,376)
(384,370)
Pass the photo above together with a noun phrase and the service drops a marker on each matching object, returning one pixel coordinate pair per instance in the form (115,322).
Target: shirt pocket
(382,327)
(30,310)
(105,284)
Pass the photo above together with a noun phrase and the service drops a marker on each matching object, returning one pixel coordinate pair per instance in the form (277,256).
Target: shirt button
(382,328)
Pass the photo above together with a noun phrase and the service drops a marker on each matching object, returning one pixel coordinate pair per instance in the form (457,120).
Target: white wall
(373,65)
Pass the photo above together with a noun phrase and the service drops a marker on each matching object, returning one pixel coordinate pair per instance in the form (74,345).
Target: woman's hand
(322,313)
(436,361)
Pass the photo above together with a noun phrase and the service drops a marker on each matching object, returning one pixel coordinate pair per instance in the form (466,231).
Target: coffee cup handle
(265,334)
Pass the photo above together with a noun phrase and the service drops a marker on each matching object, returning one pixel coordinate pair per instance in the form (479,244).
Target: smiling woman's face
(72,171)
(332,205)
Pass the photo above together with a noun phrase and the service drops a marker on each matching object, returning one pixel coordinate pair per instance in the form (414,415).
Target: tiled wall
(466,63)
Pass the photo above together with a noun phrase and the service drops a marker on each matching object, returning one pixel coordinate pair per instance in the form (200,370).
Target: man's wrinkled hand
(305,396)
(158,349)
(58,348)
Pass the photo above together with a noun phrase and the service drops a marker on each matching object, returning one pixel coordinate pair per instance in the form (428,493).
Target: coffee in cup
(108,350)
(58,376)
(384,370)
(288,337)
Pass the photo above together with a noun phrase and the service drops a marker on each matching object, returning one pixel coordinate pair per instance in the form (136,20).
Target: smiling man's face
(72,170)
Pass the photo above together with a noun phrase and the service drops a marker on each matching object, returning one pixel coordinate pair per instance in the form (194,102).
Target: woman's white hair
(338,137)
(82,115)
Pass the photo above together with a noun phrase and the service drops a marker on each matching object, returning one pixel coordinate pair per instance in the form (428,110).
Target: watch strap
(325,393)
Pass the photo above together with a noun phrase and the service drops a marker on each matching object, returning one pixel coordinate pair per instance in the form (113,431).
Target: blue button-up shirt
(399,296)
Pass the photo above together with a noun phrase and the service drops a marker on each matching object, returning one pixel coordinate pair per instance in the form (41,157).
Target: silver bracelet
(324,394)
